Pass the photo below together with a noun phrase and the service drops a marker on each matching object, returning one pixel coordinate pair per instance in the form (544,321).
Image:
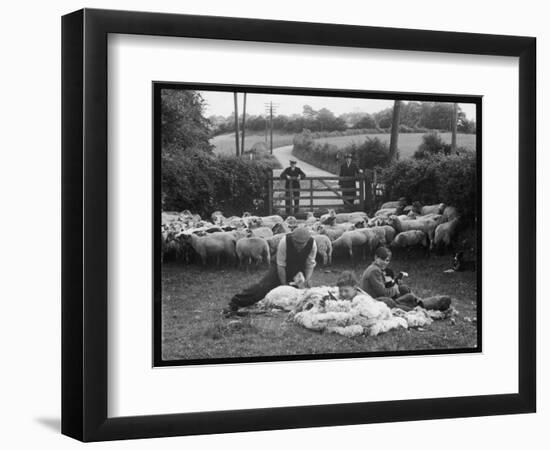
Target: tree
(394,130)
(183,125)
(367,121)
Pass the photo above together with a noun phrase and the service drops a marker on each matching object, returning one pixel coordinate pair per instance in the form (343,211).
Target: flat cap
(300,235)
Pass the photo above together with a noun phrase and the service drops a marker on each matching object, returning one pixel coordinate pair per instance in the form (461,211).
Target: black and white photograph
(297,224)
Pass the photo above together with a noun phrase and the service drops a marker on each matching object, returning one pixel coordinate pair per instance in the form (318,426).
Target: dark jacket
(296,176)
(351,171)
(373,283)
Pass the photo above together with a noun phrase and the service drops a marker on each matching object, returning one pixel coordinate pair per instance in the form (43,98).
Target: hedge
(436,179)
(371,153)
(204,183)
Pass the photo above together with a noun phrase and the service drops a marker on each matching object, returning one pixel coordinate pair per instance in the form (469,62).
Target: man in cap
(296,253)
(292,175)
(349,169)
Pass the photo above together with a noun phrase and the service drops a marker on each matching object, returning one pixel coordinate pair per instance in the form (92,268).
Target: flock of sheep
(254,239)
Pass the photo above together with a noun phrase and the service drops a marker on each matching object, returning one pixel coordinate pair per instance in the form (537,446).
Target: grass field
(408,142)
(225,143)
(192,327)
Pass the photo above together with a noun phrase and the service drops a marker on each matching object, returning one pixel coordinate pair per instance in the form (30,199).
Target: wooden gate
(318,194)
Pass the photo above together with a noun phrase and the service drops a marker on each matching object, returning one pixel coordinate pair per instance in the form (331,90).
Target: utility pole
(453,127)
(270,108)
(244,122)
(236,124)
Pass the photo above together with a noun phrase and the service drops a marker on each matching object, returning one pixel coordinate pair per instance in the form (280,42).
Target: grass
(192,327)
(225,143)
(408,142)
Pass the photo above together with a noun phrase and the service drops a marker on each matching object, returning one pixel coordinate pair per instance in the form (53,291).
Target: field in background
(408,142)
(192,326)
(225,143)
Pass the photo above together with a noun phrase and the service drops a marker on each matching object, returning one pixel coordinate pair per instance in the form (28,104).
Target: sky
(221,103)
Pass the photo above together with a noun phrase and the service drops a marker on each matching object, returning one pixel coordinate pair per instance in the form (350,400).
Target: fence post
(362,193)
(311,194)
(270,194)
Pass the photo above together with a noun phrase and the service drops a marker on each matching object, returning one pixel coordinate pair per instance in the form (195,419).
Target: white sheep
(253,249)
(445,232)
(213,245)
(426,225)
(324,248)
(411,238)
(350,240)
(262,232)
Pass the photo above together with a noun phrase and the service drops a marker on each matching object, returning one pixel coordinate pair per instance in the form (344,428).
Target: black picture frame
(84,224)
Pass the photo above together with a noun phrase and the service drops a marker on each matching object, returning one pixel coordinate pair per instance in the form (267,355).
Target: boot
(437,302)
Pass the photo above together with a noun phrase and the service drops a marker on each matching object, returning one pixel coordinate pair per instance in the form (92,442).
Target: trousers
(255,292)
(406,300)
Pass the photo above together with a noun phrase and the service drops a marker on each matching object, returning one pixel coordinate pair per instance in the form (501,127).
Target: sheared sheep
(252,249)
(324,248)
(444,233)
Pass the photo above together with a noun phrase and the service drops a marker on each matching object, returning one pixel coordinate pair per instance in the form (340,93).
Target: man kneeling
(296,253)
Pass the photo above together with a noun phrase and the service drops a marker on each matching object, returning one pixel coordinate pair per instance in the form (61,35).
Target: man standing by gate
(349,190)
(292,175)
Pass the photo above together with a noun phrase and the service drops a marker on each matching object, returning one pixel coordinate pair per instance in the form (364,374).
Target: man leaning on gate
(349,189)
(292,175)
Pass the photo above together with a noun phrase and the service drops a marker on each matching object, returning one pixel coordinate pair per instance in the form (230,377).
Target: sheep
(333,232)
(271,221)
(427,225)
(252,249)
(410,238)
(386,212)
(385,233)
(324,247)
(273,242)
(450,212)
(280,228)
(395,204)
(350,239)
(311,219)
(444,233)
(217,217)
(262,232)
(214,245)
(350,217)
(375,238)
(434,209)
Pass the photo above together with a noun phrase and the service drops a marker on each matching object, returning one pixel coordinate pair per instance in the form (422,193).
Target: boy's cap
(292,161)
(300,235)
(348,155)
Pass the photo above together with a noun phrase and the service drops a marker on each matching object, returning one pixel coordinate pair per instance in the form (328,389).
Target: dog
(390,279)
(461,265)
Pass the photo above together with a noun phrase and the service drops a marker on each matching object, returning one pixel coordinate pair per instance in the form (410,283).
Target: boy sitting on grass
(347,285)
(374,283)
